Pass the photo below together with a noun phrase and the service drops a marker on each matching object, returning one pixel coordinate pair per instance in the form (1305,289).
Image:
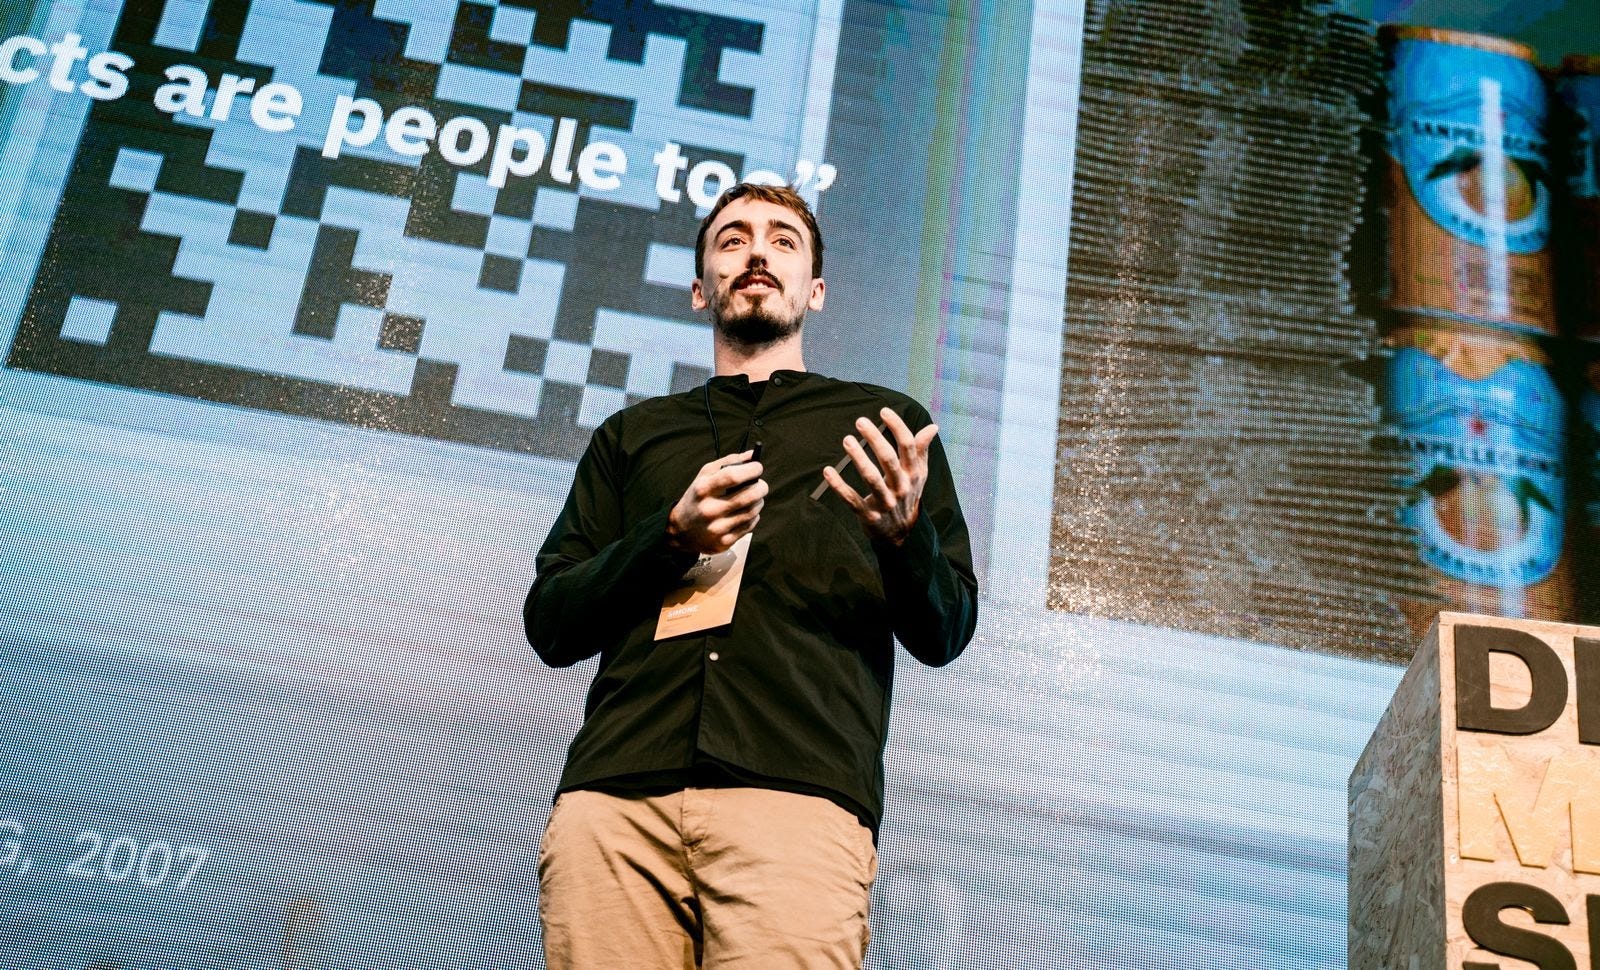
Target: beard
(758,326)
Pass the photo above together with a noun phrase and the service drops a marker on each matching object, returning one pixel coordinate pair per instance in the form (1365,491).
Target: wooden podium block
(1475,808)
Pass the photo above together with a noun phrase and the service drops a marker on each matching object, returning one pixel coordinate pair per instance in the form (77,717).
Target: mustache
(755,274)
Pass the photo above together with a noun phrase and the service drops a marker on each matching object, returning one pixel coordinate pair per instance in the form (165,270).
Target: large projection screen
(295,368)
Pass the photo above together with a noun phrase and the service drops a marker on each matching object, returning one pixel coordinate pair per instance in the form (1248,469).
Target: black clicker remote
(755,456)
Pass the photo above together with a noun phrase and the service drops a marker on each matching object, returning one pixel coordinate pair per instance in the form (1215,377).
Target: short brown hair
(778,195)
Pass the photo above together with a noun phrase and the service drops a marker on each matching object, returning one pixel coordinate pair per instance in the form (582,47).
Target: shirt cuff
(913,558)
(666,564)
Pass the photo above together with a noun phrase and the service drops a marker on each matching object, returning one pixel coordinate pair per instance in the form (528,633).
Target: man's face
(757,273)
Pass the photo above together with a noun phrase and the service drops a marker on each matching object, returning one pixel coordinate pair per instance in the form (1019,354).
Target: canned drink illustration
(1468,183)
(1586,491)
(1588,452)
(1481,419)
(1577,89)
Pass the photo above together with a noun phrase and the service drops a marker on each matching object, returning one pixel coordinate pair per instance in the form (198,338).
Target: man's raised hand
(894,484)
(720,506)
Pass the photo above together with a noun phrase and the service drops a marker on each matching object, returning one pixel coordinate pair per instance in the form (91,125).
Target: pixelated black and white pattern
(214,260)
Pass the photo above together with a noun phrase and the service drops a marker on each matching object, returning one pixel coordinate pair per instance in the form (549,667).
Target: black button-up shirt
(794,692)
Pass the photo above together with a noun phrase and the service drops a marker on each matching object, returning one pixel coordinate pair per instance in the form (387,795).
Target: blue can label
(1581,95)
(1589,416)
(1466,127)
(1487,498)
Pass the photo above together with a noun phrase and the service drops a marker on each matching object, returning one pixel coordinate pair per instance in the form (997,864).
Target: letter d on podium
(1475,710)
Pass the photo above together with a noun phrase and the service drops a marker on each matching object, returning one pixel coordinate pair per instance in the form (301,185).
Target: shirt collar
(740,381)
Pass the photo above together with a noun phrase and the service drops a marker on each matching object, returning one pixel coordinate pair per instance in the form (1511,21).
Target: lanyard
(716,439)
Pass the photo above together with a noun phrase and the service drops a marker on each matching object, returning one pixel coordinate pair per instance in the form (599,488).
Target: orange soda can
(1577,89)
(1480,417)
(1586,453)
(1467,185)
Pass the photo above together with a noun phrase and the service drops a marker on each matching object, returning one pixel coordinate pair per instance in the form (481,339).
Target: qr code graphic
(211,259)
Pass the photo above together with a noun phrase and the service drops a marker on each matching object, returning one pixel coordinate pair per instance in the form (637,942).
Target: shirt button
(713,655)
(777,381)
(757,422)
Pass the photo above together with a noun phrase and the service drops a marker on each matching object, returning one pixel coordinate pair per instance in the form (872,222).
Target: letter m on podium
(1534,804)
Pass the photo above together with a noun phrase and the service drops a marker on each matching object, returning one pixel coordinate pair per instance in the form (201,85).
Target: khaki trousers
(724,878)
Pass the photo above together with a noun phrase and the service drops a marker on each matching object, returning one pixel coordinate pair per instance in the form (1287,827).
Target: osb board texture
(1510,686)
(1396,829)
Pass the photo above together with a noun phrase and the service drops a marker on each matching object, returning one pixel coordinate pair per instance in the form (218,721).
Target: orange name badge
(707,594)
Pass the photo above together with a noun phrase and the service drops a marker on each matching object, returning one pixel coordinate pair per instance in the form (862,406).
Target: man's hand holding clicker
(721,505)
(894,484)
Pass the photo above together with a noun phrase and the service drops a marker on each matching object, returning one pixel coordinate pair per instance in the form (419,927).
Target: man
(720,803)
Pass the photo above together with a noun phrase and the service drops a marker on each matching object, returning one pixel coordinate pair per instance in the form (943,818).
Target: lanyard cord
(716,439)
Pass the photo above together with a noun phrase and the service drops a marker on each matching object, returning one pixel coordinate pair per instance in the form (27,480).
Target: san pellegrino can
(1468,184)
(1481,419)
(1577,89)
(1587,454)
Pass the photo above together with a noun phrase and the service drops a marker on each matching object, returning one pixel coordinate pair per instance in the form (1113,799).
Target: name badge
(707,594)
